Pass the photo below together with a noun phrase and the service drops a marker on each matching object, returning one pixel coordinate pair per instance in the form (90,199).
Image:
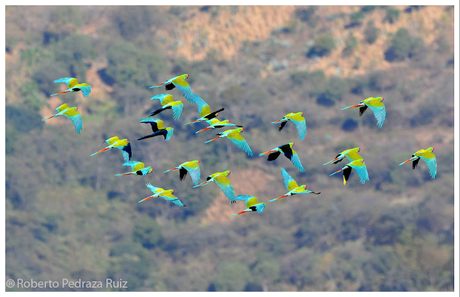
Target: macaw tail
(279,198)
(336,172)
(195,121)
(241,212)
(202,184)
(64,92)
(157,86)
(266,153)
(145,199)
(50,117)
(175,168)
(211,140)
(336,159)
(353,106)
(411,159)
(103,150)
(205,129)
(127,173)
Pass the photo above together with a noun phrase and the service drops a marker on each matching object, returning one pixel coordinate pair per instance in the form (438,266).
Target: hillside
(68,216)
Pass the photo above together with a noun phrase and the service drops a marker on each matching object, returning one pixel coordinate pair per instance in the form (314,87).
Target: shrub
(392,15)
(307,15)
(135,20)
(371,33)
(403,46)
(323,46)
(351,43)
(355,19)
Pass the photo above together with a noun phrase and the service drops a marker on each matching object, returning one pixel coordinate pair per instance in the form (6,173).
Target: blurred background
(68,216)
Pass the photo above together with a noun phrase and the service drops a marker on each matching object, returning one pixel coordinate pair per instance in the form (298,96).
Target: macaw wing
(195,173)
(61,108)
(203,107)
(362,172)
(237,139)
(353,155)
(75,117)
(379,113)
(127,152)
(156,124)
(251,201)
(213,121)
(112,140)
(135,165)
(260,207)
(152,188)
(85,90)
(296,161)
(164,98)
(169,134)
(184,87)
(244,198)
(301,125)
(226,186)
(430,160)
(170,197)
(70,81)
(177,110)
(289,182)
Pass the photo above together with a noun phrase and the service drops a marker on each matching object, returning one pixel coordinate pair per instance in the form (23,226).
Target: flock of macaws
(356,162)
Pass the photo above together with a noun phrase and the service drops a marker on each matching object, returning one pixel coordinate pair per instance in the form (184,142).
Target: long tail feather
(205,129)
(279,198)
(266,153)
(336,172)
(127,173)
(238,213)
(211,140)
(103,150)
(411,159)
(64,92)
(353,106)
(202,184)
(331,161)
(145,199)
(175,168)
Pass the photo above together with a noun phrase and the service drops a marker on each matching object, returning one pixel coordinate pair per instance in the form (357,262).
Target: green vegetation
(392,15)
(68,216)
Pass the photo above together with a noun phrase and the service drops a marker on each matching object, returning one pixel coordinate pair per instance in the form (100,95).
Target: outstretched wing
(85,90)
(379,112)
(177,110)
(237,139)
(152,188)
(61,108)
(70,81)
(154,122)
(127,152)
(195,173)
(296,161)
(164,98)
(170,197)
(430,160)
(353,155)
(203,107)
(244,198)
(75,117)
(226,186)
(260,207)
(289,182)
(184,87)
(169,134)
(135,165)
(362,172)
(301,125)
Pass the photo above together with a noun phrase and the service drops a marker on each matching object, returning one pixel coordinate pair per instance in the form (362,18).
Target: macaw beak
(382,99)
(103,150)
(353,106)
(145,199)
(198,162)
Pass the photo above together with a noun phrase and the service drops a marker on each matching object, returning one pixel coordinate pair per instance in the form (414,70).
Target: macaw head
(304,187)
(381,99)
(197,162)
(431,148)
(172,191)
(150,170)
(227,173)
(185,76)
(76,108)
(239,130)
(362,161)
(291,144)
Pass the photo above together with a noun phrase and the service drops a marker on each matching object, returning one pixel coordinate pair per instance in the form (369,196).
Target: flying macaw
(288,152)
(205,111)
(190,166)
(359,166)
(73,86)
(215,123)
(351,154)
(168,103)
(157,128)
(220,178)
(236,138)
(376,105)
(122,144)
(138,168)
(292,187)
(71,113)
(298,120)
(427,156)
(179,83)
(251,204)
(165,194)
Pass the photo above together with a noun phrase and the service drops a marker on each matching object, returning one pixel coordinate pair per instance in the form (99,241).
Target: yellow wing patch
(62,107)
(354,155)
(138,166)
(180,81)
(251,202)
(427,154)
(167,99)
(292,185)
(112,140)
(72,83)
(71,112)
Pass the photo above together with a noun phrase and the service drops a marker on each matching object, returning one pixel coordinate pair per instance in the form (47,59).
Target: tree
(323,46)
(371,33)
(232,276)
(351,43)
(392,15)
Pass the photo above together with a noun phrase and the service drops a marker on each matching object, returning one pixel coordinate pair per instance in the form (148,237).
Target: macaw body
(179,83)
(168,103)
(298,120)
(71,113)
(137,168)
(376,105)
(251,204)
(288,152)
(220,178)
(205,111)
(73,86)
(190,166)
(215,123)
(158,128)
(351,154)
(236,138)
(359,166)
(165,194)
(292,186)
(427,156)
(122,144)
